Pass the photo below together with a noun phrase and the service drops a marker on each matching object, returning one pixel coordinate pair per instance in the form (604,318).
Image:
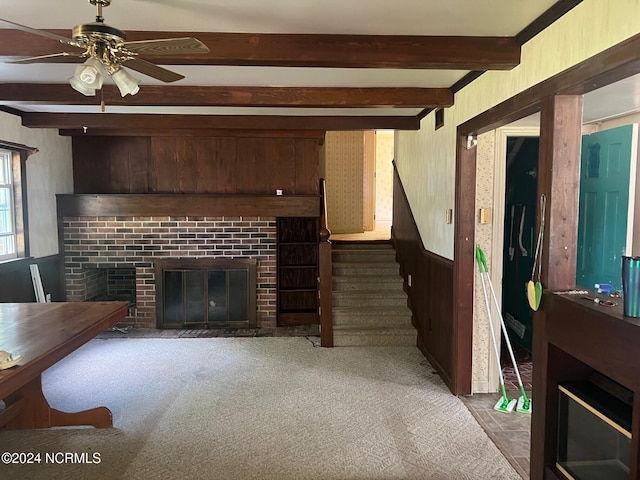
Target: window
(8,244)
(13,201)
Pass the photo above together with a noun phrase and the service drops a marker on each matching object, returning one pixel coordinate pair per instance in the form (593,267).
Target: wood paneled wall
(430,293)
(226,164)
(17,286)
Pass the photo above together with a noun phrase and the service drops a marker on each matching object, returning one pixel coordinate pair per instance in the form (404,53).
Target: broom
(524,403)
(504,404)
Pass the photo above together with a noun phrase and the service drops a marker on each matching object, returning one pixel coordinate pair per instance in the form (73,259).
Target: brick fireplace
(114,256)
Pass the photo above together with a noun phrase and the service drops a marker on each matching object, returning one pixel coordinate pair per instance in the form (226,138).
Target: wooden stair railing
(325,273)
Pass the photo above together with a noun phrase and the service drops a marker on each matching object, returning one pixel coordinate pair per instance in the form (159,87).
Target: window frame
(8,236)
(18,157)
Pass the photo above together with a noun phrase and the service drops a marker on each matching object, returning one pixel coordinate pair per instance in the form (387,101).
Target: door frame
(611,65)
(497,233)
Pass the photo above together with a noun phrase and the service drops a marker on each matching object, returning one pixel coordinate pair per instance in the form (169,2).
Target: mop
(504,404)
(524,403)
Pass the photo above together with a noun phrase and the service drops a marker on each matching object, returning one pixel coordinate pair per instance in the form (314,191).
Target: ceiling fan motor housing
(88,32)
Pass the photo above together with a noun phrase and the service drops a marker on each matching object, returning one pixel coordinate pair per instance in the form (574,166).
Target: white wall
(426,159)
(384,175)
(49,171)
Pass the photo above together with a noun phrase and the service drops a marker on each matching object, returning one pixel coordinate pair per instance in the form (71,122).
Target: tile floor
(525,367)
(511,432)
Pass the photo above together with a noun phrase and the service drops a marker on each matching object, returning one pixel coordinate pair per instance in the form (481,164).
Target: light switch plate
(485,216)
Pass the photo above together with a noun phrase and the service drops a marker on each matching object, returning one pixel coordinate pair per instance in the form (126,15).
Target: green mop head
(505,404)
(524,403)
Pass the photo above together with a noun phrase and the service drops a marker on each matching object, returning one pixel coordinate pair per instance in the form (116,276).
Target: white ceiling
(381,17)
(373,17)
(613,101)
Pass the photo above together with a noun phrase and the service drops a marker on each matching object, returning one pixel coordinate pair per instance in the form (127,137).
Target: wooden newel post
(325,274)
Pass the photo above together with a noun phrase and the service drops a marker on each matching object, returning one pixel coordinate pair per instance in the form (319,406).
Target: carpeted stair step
(357,298)
(373,268)
(380,316)
(373,245)
(363,255)
(369,302)
(366,283)
(355,335)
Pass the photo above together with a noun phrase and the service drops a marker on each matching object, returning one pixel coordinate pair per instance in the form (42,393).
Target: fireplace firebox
(205,293)
(594,431)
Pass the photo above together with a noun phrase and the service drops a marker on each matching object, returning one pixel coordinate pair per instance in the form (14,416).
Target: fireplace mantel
(73,205)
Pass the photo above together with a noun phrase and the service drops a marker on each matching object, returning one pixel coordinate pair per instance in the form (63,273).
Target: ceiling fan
(107,50)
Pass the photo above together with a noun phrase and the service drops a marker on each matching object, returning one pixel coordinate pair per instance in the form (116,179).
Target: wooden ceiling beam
(195,122)
(306,50)
(231,96)
(200,132)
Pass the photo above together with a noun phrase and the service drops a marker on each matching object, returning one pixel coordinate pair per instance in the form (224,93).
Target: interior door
(604,204)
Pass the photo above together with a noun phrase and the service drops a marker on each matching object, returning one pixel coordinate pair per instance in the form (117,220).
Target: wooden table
(44,333)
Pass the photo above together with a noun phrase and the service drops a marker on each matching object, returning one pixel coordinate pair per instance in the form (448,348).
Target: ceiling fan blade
(166,46)
(152,70)
(52,58)
(42,33)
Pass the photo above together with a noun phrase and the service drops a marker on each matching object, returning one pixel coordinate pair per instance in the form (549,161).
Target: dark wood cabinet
(298,271)
(574,340)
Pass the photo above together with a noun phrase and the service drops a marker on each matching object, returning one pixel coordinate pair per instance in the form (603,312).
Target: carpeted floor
(256,408)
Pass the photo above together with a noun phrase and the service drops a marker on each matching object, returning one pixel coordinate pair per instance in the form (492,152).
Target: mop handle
(506,336)
(482,267)
(482,264)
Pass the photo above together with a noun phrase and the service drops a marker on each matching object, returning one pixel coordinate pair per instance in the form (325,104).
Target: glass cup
(631,286)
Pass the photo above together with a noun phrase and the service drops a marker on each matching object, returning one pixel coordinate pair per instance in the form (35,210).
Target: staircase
(369,303)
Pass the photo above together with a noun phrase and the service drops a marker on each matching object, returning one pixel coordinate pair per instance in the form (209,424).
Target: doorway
(359,171)
(520,233)
(521,187)
(513,238)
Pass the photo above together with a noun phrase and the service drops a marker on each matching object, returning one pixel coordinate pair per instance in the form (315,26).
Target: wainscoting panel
(429,285)
(17,286)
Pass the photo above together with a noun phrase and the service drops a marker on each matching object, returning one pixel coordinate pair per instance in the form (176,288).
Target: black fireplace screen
(206,293)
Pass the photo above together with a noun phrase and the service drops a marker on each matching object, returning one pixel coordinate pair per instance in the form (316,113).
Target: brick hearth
(93,245)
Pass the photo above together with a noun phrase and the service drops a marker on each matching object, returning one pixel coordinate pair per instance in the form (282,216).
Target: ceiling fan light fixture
(78,86)
(127,84)
(87,77)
